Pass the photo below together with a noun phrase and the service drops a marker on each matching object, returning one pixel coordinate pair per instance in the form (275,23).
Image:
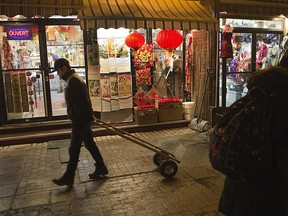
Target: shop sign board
(19,33)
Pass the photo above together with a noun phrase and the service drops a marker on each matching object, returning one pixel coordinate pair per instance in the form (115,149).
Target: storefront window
(167,77)
(64,41)
(267,50)
(22,76)
(251,49)
(110,86)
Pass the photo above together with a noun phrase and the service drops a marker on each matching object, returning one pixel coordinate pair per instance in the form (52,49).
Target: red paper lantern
(135,41)
(169,40)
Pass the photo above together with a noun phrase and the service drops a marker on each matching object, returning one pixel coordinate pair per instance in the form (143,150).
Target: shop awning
(163,14)
(44,8)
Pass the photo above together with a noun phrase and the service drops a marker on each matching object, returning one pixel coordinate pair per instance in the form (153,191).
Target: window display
(22,75)
(114,76)
(251,51)
(167,76)
(28,51)
(267,50)
(114,54)
(64,41)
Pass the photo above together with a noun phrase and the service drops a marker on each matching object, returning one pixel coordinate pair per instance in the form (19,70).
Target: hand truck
(163,159)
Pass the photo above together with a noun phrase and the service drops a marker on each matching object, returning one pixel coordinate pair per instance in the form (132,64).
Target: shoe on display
(64,180)
(99,171)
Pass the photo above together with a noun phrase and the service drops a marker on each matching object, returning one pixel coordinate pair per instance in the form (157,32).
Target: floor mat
(63,155)
(62,146)
(55,144)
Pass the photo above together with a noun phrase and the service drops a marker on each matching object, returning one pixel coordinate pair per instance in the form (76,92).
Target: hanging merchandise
(7,61)
(261,54)
(169,40)
(135,41)
(30,92)
(144,56)
(153,95)
(226,44)
(143,76)
(139,97)
(16,92)
(24,92)
(188,67)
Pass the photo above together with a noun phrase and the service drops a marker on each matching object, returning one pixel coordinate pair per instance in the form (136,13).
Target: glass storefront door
(238,68)
(28,52)
(63,41)
(21,72)
(251,51)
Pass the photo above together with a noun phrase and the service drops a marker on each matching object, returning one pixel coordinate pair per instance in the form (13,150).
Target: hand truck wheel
(158,159)
(168,168)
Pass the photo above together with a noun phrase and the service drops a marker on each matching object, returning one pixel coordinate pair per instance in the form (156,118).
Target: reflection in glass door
(63,41)
(267,50)
(238,68)
(21,71)
(251,51)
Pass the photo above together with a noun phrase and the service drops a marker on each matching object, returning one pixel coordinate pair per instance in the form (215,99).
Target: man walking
(80,112)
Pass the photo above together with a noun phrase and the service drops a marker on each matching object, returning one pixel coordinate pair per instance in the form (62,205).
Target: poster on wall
(112,63)
(122,56)
(125,91)
(111,55)
(105,95)
(114,93)
(92,54)
(94,86)
(95,96)
(103,55)
(114,54)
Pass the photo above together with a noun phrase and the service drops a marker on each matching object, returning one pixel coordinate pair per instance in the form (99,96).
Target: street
(133,186)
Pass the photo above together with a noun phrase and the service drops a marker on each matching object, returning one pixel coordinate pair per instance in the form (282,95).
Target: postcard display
(110,79)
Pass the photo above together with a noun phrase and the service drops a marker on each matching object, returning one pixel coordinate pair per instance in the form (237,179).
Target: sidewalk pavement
(133,187)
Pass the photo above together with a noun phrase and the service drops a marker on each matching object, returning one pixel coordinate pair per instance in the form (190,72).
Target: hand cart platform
(166,161)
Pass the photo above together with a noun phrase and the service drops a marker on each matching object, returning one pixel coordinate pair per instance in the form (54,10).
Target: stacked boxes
(146,115)
(169,109)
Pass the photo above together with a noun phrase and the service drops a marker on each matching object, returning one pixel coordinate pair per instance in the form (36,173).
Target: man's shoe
(99,171)
(64,181)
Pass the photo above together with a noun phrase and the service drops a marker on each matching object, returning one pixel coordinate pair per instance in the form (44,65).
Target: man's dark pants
(81,132)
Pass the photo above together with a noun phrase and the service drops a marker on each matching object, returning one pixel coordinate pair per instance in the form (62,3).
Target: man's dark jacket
(79,108)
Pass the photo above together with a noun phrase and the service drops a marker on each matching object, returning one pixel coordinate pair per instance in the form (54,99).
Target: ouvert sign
(18,33)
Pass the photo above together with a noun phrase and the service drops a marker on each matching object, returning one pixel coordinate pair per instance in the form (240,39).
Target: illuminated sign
(19,33)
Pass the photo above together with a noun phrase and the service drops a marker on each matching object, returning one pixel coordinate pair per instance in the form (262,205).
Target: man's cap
(60,63)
